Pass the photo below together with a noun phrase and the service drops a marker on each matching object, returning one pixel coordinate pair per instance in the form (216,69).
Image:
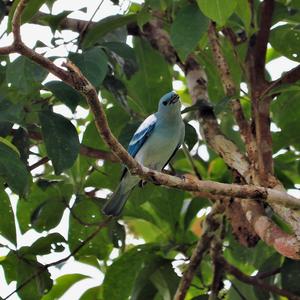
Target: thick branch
(231,90)
(262,37)
(223,146)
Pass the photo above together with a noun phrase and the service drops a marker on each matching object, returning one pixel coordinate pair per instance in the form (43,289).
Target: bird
(153,145)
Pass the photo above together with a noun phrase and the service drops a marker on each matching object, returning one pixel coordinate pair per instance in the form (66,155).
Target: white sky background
(32,33)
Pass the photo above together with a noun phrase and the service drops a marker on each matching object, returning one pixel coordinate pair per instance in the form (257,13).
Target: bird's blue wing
(141,135)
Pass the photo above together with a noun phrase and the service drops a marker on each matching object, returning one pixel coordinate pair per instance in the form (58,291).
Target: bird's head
(169,103)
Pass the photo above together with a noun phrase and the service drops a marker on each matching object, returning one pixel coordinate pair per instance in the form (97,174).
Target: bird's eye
(165,103)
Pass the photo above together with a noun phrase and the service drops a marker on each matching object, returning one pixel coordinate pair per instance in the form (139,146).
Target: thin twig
(76,250)
(256,281)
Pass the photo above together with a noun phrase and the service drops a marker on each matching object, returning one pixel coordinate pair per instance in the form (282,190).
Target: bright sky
(30,34)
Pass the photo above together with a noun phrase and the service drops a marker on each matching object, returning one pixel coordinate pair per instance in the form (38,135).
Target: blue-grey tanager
(153,145)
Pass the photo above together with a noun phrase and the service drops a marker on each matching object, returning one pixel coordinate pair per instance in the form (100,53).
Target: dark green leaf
(118,282)
(65,93)
(62,284)
(10,112)
(218,10)
(290,276)
(92,63)
(61,140)
(48,214)
(286,112)
(7,222)
(87,212)
(45,245)
(285,39)
(25,75)
(105,26)
(186,30)
(10,264)
(152,81)
(117,234)
(13,170)
(191,136)
(36,288)
(125,56)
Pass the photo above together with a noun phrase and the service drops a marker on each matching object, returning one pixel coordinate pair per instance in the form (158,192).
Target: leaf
(244,12)
(125,56)
(48,214)
(61,140)
(217,10)
(118,282)
(41,193)
(36,288)
(65,93)
(92,294)
(191,137)
(92,63)
(117,234)
(25,75)
(152,81)
(9,111)
(7,221)
(186,30)
(290,276)
(62,284)
(286,113)
(10,264)
(47,244)
(88,212)
(105,26)
(244,289)
(13,170)
(285,39)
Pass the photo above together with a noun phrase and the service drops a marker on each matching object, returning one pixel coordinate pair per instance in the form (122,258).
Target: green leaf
(92,294)
(48,215)
(61,140)
(62,284)
(9,111)
(191,137)
(118,281)
(10,264)
(7,221)
(218,10)
(40,199)
(45,245)
(290,276)
(92,63)
(125,56)
(25,75)
(13,170)
(186,30)
(65,93)
(36,288)
(88,212)
(285,39)
(105,26)
(286,113)
(152,81)
(244,12)
(244,289)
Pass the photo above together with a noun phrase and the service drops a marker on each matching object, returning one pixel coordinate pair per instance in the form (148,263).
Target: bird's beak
(174,99)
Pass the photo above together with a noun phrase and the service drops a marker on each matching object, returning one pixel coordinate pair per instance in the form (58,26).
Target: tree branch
(76,250)
(253,280)
(226,148)
(211,225)
(231,90)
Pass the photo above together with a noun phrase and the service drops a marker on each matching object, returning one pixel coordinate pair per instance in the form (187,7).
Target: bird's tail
(114,206)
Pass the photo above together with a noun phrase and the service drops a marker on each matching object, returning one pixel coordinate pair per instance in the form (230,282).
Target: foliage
(130,79)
